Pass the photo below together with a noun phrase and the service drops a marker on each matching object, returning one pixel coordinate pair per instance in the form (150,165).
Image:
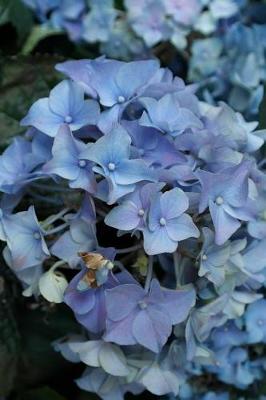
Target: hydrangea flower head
(150,222)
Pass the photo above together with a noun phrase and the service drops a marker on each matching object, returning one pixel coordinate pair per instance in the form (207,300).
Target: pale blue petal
(158,326)
(133,171)
(41,117)
(181,228)
(173,203)
(127,296)
(224,224)
(158,242)
(123,217)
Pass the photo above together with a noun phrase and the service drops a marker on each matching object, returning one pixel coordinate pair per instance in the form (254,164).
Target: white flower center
(142,304)
(204,257)
(111,166)
(37,235)
(68,119)
(219,200)
(141,212)
(162,221)
(82,163)
(121,99)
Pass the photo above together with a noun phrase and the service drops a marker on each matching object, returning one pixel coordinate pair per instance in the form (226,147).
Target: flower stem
(177,258)
(45,199)
(57,229)
(53,188)
(50,220)
(57,264)
(149,274)
(129,249)
(119,265)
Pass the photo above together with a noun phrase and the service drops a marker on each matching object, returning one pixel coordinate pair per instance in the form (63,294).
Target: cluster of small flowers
(130,146)
(231,66)
(228,61)
(137,27)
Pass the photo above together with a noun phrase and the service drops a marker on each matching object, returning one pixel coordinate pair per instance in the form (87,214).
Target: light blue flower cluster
(226,39)
(125,153)
(138,26)
(121,33)
(231,66)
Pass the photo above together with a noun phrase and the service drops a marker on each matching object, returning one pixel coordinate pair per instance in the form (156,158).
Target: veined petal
(120,332)
(65,155)
(122,300)
(173,203)
(133,171)
(181,228)
(134,75)
(224,224)
(177,303)
(41,117)
(158,242)
(151,328)
(66,98)
(123,217)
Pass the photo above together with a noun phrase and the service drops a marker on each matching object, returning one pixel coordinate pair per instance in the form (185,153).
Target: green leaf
(39,362)
(23,80)
(43,393)
(4,14)
(37,34)
(9,127)
(9,339)
(20,17)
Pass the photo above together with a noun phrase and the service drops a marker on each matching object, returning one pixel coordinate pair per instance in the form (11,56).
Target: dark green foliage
(16,13)
(23,80)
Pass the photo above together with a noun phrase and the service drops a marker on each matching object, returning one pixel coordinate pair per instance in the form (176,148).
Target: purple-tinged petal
(80,302)
(122,300)
(94,320)
(236,193)
(77,70)
(120,332)
(224,224)
(177,303)
(151,328)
